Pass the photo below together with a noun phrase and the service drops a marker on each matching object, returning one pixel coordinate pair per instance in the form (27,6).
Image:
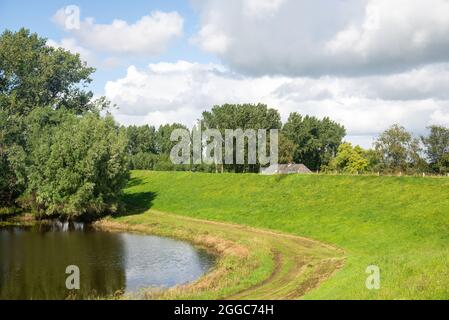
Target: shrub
(77,168)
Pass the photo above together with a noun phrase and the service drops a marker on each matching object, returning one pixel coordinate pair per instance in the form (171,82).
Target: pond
(33,262)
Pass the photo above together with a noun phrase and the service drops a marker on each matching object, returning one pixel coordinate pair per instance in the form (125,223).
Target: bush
(143,161)
(12,159)
(77,168)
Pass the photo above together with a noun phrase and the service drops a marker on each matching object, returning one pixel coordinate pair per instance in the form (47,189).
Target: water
(33,262)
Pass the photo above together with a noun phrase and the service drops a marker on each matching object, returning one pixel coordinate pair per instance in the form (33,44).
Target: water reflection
(33,262)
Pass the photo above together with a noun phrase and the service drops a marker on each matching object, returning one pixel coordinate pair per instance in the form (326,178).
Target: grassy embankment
(400,224)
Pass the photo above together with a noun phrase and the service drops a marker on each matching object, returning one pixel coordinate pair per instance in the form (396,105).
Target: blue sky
(37,16)
(367,64)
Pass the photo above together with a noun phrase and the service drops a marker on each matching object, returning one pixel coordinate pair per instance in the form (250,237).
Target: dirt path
(252,263)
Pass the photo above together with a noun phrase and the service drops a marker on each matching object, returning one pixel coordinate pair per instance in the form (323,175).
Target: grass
(251,263)
(400,224)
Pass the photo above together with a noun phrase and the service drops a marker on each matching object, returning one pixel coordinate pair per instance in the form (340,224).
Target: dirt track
(252,263)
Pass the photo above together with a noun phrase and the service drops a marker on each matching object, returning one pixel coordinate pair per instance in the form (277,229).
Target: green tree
(241,116)
(12,159)
(399,151)
(77,165)
(142,139)
(287,149)
(437,148)
(317,140)
(349,159)
(142,147)
(374,160)
(143,161)
(33,75)
(163,134)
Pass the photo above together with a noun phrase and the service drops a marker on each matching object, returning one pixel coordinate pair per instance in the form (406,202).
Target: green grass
(400,224)
(251,263)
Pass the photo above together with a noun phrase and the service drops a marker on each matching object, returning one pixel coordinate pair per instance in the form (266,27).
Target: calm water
(33,262)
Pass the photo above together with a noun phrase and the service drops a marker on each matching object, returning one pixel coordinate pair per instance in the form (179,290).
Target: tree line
(304,139)
(396,151)
(61,156)
(317,143)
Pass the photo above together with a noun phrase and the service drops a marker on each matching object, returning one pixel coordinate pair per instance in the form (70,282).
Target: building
(290,168)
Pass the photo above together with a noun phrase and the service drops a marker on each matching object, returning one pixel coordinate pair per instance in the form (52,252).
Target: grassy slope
(400,224)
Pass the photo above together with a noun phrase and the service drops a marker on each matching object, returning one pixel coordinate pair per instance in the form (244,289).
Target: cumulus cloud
(71,45)
(171,86)
(303,38)
(151,34)
(179,92)
(86,55)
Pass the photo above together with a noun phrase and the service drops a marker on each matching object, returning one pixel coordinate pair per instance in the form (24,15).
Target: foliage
(287,149)
(241,116)
(437,148)
(316,140)
(398,150)
(141,139)
(163,142)
(77,165)
(33,75)
(12,159)
(349,159)
(143,161)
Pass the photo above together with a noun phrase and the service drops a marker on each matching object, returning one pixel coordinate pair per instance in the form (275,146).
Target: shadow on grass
(135,182)
(136,203)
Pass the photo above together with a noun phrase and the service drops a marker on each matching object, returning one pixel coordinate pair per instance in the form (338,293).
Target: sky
(367,64)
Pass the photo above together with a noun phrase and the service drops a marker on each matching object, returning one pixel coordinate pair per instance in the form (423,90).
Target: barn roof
(285,169)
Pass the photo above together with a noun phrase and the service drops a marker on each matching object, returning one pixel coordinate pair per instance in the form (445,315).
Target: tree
(287,149)
(34,75)
(12,159)
(349,159)
(374,160)
(141,139)
(143,161)
(398,150)
(241,116)
(437,148)
(77,166)
(163,134)
(316,140)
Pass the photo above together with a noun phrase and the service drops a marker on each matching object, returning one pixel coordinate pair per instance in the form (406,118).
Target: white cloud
(212,40)
(261,8)
(179,92)
(440,116)
(301,38)
(395,33)
(151,34)
(71,45)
